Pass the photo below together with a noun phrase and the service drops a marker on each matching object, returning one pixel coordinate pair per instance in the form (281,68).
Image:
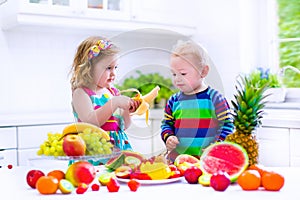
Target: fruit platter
(222,165)
(78,141)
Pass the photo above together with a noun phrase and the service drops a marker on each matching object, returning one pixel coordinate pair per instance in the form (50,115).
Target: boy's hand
(171,143)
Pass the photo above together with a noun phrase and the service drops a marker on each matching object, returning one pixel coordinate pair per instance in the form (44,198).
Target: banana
(79,127)
(145,101)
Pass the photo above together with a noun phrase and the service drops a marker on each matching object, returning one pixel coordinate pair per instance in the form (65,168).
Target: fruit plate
(114,153)
(153,182)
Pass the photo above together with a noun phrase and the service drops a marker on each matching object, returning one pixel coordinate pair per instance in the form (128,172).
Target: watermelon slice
(224,156)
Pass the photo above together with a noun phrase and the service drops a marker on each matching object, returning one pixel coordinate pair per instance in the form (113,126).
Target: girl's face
(186,76)
(104,71)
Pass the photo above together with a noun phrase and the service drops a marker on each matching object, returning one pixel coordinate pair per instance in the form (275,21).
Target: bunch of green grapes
(52,146)
(95,143)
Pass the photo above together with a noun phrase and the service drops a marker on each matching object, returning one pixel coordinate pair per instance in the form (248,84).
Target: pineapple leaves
(248,104)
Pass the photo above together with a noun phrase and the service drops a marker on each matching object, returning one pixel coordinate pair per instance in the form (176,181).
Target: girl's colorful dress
(115,124)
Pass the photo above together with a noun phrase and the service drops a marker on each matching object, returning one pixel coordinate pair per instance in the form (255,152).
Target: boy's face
(186,76)
(104,72)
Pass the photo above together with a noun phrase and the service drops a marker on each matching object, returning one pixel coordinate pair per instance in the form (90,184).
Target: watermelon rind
(115,162)
(210,164)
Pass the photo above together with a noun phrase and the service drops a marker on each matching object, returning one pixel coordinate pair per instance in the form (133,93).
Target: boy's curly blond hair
(82,67)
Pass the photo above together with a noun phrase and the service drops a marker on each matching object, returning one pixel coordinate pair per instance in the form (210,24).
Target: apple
(113,185)
(81,172)
(74,145)
(220,181)
(33,176)
(192,174)
(123,171)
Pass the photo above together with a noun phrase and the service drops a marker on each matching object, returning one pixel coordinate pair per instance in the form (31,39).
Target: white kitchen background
(36,52)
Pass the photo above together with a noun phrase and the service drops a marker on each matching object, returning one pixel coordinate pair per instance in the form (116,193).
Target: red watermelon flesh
(224,156)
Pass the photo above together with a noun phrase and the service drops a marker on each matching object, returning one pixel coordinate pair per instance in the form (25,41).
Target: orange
(57,174)
(249,180)
(272,181)
(47,185)
(260,168)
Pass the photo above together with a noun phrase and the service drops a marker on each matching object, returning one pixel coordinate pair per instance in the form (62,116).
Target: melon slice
(115,162)
(224,156)
(180,159)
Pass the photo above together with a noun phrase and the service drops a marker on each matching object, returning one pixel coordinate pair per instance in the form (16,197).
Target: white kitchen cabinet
(295,147)
(171,12)
(8,138)
(9,157)
(146,139)
(274,146)
(28,157)
(8,146)
(31,137)
(106,15)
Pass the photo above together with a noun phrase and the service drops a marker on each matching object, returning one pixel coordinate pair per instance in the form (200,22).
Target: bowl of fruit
(78,141)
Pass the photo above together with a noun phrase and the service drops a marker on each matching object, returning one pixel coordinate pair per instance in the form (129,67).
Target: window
(288,16)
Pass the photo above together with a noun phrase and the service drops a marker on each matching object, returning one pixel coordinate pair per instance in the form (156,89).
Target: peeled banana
(79,127)
(145,101)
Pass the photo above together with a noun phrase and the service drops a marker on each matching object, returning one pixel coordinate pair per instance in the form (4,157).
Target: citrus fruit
(132,161)
(47,185)
(260,168)
(204,179)
(272,181)
(59,174)
(65,186)
(224,156)
(249,180)
(104,178)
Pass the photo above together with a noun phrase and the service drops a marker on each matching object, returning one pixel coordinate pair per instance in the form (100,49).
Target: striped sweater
(197,120)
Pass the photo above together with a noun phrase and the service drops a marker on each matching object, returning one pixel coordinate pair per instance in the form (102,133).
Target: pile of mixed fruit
(221,165)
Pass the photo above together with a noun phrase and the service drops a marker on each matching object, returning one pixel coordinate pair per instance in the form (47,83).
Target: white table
(13,186)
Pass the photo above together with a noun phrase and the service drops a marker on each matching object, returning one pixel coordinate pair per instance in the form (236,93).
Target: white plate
(152,182)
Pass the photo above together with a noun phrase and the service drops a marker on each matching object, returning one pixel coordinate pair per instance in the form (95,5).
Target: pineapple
(247,113)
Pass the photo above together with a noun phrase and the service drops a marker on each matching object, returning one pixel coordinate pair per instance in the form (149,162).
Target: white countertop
(13,186)
(287,118)
(24,119)
(282,118)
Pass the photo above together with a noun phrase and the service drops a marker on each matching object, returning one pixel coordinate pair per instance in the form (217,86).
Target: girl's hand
(171,143)
(123,102)
(134,105)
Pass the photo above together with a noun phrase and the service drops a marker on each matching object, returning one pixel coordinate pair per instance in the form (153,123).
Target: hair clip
(96,49)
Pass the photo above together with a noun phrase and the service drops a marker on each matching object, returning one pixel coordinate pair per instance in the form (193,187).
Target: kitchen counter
(283,118)
(13,186)
(27,119)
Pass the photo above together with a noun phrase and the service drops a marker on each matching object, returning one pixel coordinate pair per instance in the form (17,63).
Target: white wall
(34,63)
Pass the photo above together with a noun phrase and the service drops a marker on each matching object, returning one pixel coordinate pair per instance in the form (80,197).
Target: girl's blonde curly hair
(82,67)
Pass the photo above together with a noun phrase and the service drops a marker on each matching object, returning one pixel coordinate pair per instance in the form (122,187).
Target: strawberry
(133,185)
(82,188)
(95,187)
(113,185)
